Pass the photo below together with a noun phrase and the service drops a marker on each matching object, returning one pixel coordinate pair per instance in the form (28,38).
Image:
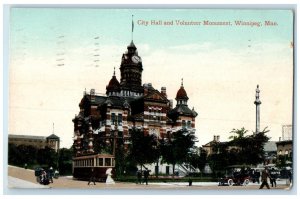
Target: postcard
(150,99)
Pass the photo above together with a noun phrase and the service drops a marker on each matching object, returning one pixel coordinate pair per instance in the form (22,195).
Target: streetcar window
(100,161)
(107,162)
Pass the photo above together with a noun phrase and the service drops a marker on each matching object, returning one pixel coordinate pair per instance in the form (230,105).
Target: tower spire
(181,82)
(132,26)
(114,71)
(53,127)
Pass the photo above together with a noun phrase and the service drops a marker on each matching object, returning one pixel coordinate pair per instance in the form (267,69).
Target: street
(24,178)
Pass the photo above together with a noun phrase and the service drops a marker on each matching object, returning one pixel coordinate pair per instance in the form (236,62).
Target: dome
(113,85)
(181,94)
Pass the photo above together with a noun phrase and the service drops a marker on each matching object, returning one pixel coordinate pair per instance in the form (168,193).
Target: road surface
(24,178)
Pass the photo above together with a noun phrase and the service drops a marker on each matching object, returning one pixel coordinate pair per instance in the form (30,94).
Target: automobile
(235,175)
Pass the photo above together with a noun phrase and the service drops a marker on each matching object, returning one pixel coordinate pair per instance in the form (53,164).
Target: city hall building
(128,104)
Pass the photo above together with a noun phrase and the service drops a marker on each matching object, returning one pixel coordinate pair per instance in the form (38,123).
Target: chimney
(215,138)
(279,139)
(92,94)
(163,91)
(218,138)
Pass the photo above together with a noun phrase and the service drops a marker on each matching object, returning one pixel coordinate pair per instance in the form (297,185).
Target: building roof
(283,142)
(181,110)
(113,85)
(181,94)
(53,136)
(27,137)
(131,45)
(270,146)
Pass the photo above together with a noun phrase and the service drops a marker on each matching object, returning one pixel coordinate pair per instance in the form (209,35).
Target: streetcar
(83,165)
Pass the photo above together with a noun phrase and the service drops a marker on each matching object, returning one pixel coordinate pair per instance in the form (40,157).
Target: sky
(57,53)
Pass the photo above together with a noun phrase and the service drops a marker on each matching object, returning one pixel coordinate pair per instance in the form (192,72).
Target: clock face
(135,59)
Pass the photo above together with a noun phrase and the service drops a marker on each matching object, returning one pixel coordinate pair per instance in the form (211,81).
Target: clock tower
(131,73)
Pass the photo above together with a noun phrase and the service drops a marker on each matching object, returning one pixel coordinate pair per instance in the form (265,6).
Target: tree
(47,157)
(198,158)
(248,150)
(65,161)
(120,157)
(242,149)
(175,149)
(219,158)
(21,154)
(254,150)
(143,148)
(240,134)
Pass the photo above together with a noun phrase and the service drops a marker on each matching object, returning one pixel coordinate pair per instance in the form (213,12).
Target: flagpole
(132,25)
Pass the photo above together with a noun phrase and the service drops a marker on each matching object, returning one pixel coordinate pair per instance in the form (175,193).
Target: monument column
(257,103)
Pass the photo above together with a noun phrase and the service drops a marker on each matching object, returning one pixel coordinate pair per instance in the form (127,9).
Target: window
(116,119)
(107,162)
(113,118)
(100,162)
(189,124)
(120,134)
(119,119)
(183,124)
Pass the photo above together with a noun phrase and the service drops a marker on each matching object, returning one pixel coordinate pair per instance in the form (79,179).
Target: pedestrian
(146,175)
(92,177)
(51,173)
(139,177)
(273,175)
(257,176)
(290,176)
(25,166)
(264,179)
(44,178)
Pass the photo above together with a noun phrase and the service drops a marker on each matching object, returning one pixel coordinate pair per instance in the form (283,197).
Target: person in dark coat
(146,175)
(290,176)
(273,176)
(264,179)
(92,178)
(139,177)
(257,175)
(51,173)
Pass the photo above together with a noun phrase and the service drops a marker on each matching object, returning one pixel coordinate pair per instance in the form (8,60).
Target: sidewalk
(18,183)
